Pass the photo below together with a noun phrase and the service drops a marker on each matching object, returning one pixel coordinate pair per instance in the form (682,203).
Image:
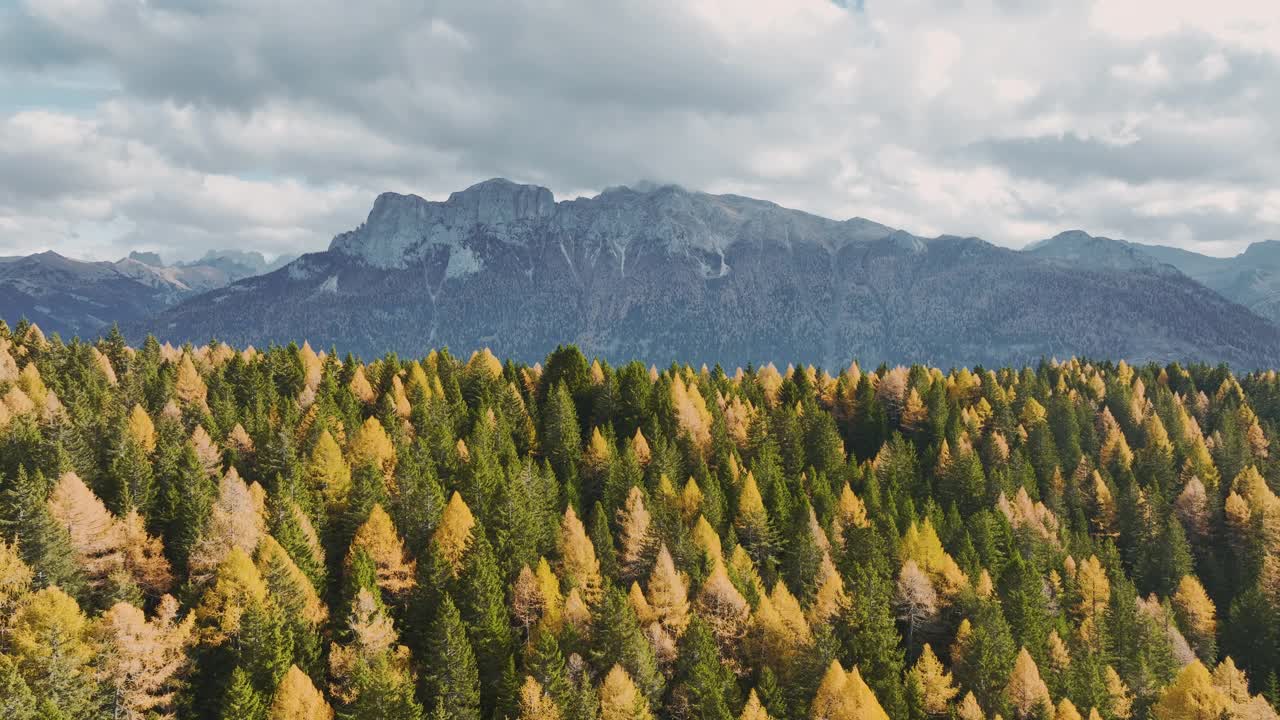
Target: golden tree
(142,660)
(372,446)
(327,471)
(753,710)
(578,555)
(633,533)
(288,584)
(1196,615)
(535,704)
(620,699)
(668,595)
(1067,711)
(141,430)
(935,682)
(1026,692)
(143,555)
(237,586)
(378,537)
(453,535)
(96,537)
(235,521)
(969,709)
(15,577)
(527,602)
(845,696)
(1191,696)
(298,699)
(1119,699)
(189,387)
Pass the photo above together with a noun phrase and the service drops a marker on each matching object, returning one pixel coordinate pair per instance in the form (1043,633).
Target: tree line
(210,532)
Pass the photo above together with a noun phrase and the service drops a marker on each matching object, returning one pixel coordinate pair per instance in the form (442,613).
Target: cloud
(273,125)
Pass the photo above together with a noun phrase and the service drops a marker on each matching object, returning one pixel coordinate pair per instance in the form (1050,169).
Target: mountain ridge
(670,273)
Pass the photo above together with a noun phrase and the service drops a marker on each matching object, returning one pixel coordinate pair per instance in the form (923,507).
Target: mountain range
(661,273)
(77,297)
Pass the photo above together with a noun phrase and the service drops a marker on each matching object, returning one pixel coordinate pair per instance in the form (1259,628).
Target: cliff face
(661,273)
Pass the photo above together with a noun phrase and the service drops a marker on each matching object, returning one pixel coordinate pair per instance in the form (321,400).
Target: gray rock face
(1251,278)
(401,229)
(663,274)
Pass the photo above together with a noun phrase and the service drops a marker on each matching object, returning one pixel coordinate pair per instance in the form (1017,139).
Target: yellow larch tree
(1066,710)
(206,450)
(691,411)
(1196,615)
(1119,699)
(1191,696)
(753,710)
(934,681)
(552,599)
(49,641)
(189,387)
(640,604)
(725,610)
(372,446)
(327,471)
(640,446)
(1026,692)
(143,555)
(142,660)
(360,387)
(96,537)
(706,539)
(527,603)
(633,534)
(235,521)
(141,430)
(620,699)
(237,585)
(921,544)
(969,709)
(668,594)
(298,699)
(578,555)
(453,535)
(379,538)
(845,696)
(15,577)
(1094,590)
(535,703)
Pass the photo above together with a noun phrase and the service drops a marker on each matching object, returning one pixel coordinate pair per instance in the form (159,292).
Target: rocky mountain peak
(401,227)
(147,258)
(499,200)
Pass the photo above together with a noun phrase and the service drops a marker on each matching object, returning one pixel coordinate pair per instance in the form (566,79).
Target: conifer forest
(292,533)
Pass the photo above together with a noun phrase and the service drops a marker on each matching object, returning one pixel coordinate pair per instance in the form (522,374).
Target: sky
(184,125)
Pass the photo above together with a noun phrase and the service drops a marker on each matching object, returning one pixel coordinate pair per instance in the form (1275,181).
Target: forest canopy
(214,532)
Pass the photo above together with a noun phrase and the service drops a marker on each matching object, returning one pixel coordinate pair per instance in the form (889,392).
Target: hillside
(220,533)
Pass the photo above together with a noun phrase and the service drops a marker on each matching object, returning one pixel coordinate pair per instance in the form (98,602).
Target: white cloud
(273,125)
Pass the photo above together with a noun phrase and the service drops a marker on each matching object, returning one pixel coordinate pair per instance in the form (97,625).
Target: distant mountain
(661,273)
(76,297)
(1251,278)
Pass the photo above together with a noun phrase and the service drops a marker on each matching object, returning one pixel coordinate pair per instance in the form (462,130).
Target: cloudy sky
(181,125)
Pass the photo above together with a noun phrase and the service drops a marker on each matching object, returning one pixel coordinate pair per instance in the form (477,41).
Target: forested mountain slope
(663,274)
(1251,278)
(209,532)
